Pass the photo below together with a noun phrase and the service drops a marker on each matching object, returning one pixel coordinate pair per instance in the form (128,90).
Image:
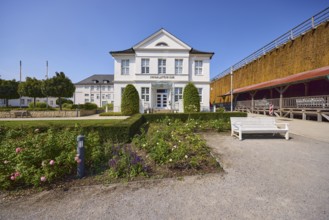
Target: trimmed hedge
(199,116)
(191,98)
(130,100)
(111,114)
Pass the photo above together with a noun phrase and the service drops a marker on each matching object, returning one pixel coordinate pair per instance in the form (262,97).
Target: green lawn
(59,123)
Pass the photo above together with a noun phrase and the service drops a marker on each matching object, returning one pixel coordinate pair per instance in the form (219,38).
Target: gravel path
(267,178)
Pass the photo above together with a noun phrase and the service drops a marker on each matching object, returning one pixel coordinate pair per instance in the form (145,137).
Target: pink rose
(79,161)
(18,150)
(76,158)
(52,162)
(43,179)
(17,174)
(12,178)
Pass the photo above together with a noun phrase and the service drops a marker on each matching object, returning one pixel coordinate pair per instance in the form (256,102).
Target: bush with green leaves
(89,106)
(191,98)
(38,105)
(130,100)
(175,144)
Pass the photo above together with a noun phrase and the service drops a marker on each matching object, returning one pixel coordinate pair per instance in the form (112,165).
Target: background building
(25,101)
(159,67)
(96,89)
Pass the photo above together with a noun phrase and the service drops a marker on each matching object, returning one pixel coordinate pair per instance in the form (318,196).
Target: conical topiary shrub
(191,98)
(130,101)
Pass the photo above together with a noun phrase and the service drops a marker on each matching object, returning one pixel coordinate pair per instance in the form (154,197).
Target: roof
(132,50)
(289,80)
(98,77)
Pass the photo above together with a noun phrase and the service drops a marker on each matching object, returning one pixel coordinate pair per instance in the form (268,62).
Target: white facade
(25,101)
(96,89)
(160,67)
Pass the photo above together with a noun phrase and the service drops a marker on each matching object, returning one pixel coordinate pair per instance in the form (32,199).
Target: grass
(59,123)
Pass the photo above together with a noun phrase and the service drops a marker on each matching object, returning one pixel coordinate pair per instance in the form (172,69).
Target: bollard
(81,153)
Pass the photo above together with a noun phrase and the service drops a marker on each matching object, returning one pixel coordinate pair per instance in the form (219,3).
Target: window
(109,88)
(92,95)
(162,44)
(86,94)
(92,100)
(92,88)
(161,66)
(198,67)
(146,94)
(145,65)
(200,93)
(103,88)
(178,66)
(178,94)
(97,96)
(86,87)
(51,102)
(124,67)
(29,101)
(103,96)
(86,100)
(22,101)
(97,88)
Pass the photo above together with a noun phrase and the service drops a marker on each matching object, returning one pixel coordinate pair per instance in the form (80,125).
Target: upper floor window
(198,67)
(145,65)
(92,88)
(86,87)
(161,66)
(110,88)
(124,67)
(146,94)
(178,66)
(161,44)
(103,88)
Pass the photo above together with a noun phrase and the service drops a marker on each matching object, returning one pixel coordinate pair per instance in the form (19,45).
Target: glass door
(162,98)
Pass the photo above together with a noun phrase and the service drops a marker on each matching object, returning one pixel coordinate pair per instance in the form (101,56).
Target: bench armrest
(285,125)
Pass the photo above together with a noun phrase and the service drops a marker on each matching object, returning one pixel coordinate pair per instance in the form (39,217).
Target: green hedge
(111,114)
(198,116)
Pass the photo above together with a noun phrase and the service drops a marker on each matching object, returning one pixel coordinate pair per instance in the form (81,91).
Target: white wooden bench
(257,125)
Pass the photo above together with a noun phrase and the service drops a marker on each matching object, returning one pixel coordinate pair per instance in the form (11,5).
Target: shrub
(89,106)
(110,114)
(220,109)
(38,105)
(191,98)
(67,106)
(130,101)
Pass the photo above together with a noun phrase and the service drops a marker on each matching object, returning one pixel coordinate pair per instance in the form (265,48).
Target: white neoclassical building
(96,89)
(159,67)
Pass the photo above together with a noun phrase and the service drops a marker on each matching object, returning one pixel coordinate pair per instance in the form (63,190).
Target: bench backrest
(252,120)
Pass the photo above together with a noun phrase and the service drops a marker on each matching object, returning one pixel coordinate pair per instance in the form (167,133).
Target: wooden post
(281,90)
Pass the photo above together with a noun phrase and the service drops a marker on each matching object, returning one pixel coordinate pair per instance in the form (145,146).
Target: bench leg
(287,135)
(240,136)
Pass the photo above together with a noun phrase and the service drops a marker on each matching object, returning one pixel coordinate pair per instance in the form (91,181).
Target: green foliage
(125,162)
(89,106)
(130,101)
(111,114)
(175,144)
(198,116)
(31,88)
(191,98)
(8,90)
(220,109)
(58,86)
(64,101)
(38,105)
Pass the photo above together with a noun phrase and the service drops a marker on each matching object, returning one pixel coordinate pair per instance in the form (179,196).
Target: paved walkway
(90,117)
(306,128)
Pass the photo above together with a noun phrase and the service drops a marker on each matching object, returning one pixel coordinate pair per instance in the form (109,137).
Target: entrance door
(162,98)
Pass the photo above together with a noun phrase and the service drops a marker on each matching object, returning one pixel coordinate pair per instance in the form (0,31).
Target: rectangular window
(162,66)
(92,88)
(86,94)
(178,93)
(178,66)
(92,95)
(51,102)
(198,67)
(92,100)
(103,88)
(86,87)
(97,88)
(145,94)
(22,101)
(145,66)
(125,67)
(97,96)
(200,93)
(86,100)
(109,88)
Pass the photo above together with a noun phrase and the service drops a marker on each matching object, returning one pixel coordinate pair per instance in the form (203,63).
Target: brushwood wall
(307,52)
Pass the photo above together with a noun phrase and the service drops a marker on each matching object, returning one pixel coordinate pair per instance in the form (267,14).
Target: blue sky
(75,36)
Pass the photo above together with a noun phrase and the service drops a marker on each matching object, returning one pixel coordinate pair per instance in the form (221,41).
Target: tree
(8,90)
(31,88)
(130,101)
(191,98)
(58,86)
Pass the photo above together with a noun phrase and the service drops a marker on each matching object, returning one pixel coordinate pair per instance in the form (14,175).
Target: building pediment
(162,40)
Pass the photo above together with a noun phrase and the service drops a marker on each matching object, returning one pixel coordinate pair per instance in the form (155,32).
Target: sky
(76,36)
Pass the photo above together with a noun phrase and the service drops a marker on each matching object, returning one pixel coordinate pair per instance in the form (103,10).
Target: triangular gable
(162,39)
